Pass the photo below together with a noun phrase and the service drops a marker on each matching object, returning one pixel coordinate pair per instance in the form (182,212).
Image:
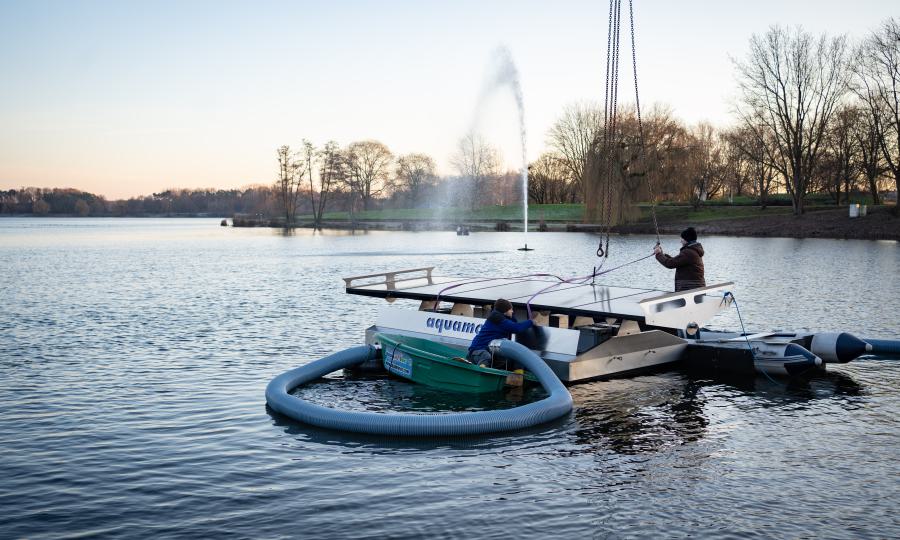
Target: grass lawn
(557,212)
(536,212)
(672,214)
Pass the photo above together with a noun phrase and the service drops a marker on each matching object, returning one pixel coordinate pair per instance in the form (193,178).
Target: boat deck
(552,294)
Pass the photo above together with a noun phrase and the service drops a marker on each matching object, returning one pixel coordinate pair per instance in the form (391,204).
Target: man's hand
(657,249)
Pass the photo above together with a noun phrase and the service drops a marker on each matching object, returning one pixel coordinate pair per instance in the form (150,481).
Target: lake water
(134,355)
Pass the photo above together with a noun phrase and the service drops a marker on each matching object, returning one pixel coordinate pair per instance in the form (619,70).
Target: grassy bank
(549,212)
(819,221)
(559,213)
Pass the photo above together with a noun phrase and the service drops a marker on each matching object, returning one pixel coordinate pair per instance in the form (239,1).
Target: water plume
(503,73)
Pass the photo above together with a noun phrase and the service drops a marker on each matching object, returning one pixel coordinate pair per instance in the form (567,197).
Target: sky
(127,98)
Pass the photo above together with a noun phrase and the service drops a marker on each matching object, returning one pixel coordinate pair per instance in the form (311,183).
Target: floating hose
(557,404)
(883,347)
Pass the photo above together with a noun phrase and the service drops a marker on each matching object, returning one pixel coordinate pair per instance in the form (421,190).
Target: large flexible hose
(884,347)
(557,404)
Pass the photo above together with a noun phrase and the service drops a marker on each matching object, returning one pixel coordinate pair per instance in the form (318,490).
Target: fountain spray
(506,74)
(510,75)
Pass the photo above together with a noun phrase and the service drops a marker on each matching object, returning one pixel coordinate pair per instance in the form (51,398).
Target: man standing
(688,263)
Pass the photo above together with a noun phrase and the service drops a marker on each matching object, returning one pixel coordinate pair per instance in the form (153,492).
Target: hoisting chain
(637,103)
(610,118)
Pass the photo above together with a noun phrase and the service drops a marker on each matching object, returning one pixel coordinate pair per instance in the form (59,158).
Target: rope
(437,299)
(744,331)
(583,279)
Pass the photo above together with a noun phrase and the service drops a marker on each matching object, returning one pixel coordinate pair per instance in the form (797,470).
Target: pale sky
(126,98)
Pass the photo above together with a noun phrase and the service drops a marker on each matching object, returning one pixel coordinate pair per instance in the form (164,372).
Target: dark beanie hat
(502,305)
(689,234)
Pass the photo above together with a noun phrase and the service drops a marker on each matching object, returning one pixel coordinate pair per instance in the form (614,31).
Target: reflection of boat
(440,366)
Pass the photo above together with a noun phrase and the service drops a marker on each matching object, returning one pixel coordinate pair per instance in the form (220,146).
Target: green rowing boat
(441,366)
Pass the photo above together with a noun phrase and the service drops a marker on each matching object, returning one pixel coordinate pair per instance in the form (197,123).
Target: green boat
(441,366)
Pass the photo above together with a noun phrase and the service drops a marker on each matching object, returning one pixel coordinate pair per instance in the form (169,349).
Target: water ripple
(135,354)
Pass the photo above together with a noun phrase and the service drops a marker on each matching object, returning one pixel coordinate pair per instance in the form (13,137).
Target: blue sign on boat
(399,363)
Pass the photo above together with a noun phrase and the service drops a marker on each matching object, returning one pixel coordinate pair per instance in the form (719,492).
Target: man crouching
(500,324)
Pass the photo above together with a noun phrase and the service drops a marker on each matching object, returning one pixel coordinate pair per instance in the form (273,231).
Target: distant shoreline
(831,223)
(878,224)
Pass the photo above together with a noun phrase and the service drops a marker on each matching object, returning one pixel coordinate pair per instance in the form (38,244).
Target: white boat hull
(572,361)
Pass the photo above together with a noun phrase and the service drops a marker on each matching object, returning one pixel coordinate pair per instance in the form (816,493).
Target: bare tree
(736,166)
(837,168)
(40,207)
(667,146)
(477,162)
(707,163)
(290,178)
(368,167)
(324,169)
(755,145)
(791,83)
(623,171)
(332,171)
(573,136)
(548,179)
(415,174)
(870,161)
(82,208)
(877,83)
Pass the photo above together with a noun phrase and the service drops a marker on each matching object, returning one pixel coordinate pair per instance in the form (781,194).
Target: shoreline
(830,223)
(833,224)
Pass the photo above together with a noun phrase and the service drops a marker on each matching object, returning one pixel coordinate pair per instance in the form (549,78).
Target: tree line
(175,202)
(814,115)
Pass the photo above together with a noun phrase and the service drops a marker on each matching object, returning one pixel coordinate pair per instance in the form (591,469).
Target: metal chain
(637,102)
(613,127)
(610,101)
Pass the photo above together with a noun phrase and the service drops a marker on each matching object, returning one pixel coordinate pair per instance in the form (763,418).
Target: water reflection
(650,414)
(386,394)
(639,415)
(627,416)
(349,443)
(153,363)
(773,393)
(398,254)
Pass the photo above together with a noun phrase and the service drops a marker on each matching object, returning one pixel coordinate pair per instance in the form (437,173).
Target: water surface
(135,354)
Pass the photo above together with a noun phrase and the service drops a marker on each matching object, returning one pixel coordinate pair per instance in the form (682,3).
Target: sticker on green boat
(399,363)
